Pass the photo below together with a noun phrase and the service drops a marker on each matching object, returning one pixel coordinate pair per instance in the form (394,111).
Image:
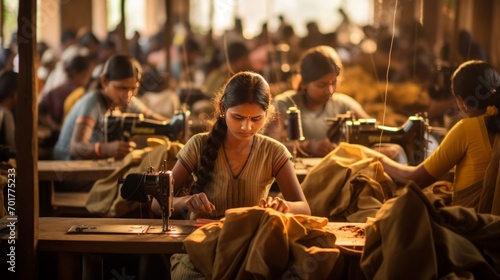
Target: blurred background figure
(8,99)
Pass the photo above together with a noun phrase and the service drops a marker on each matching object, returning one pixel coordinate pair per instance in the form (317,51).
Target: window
(297,12)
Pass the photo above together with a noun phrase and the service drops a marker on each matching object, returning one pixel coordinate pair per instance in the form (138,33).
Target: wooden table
(75,170)
(85,170)
(52,236)
(72,203)
(77,252)
(303,165)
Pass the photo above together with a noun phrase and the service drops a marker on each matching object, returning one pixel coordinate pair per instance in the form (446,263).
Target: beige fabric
(415,236)
(489,201)
(347,186)
(258,243)
(104,197)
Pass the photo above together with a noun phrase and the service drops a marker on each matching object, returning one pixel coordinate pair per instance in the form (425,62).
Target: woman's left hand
(275,203)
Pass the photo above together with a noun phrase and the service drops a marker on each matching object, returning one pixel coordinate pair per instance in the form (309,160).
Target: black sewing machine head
(122,126)
(411,136)
(137,187)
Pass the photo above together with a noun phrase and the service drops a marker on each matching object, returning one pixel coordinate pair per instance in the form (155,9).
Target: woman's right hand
(117,149)
(199,204)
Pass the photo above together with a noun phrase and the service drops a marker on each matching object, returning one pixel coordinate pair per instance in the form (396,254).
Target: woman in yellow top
(468,145)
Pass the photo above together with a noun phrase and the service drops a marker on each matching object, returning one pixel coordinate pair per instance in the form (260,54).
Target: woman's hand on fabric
(321,147)
(199,203)
(275,203)
(117,149)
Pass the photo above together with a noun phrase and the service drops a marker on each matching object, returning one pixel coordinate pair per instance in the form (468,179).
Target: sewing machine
(122,126)
(137,187)
(411,136)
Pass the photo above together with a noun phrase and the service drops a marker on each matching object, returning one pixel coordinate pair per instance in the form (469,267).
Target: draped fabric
(260,243)
(104,197)
(415,236)
(489,200)
(347,186)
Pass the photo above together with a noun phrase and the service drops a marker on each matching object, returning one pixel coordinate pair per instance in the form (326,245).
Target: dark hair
(8,84)
(243,87)
(478,84)
(77,64)
(87,39)
(119,67)
(236,51)
(317,62)
(67,35)
(190,46)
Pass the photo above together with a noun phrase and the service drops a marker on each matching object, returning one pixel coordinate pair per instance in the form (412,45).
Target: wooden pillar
(495,35)
(431,21)
(169,26)
(2,19)
(27,147)
(99,19)
(482,25)
(76,15)
(50,23)
(121,29)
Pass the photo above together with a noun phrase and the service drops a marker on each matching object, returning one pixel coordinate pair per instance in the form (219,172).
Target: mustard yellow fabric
(104,197)
(347,186)
(259,243)
(415,236)
(465,146)
(71,100)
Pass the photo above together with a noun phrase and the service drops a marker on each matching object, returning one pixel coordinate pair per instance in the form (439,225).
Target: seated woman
(468,145)
(233,164)
(82,133)
(316,99)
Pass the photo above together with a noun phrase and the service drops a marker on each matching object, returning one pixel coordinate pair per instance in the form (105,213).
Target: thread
(294,124)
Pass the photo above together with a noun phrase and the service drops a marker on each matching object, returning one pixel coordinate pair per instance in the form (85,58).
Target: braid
(209,155)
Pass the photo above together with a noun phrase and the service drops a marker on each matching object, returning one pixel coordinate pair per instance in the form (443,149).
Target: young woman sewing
(233,164)
(82,133)
(468,145)
(316,99)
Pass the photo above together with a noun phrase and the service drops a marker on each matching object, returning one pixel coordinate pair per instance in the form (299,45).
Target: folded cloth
(104,196)
(346,185)
(261,243)
(415,236)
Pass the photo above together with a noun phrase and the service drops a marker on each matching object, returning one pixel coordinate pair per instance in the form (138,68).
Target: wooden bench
(54,203)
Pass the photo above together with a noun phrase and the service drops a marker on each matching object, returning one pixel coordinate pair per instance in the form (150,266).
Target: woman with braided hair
(471,144)
(234,165)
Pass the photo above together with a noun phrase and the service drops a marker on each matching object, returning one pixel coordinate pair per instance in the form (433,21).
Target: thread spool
(294,124)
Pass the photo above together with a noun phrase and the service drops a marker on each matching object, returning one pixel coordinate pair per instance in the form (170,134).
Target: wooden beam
(169,26)
(2,20)
(121,30)
(26,142)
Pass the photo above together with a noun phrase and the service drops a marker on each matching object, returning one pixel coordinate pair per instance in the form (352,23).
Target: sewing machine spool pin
(295,133)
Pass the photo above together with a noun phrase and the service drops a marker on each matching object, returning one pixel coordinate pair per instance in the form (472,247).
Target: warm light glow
(256,12)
